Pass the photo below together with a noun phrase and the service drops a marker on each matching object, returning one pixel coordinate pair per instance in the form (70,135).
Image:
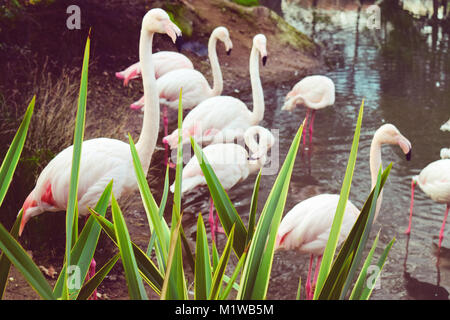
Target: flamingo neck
(150,126)
(215,67)
(375,165)
(255,149)
(257,91)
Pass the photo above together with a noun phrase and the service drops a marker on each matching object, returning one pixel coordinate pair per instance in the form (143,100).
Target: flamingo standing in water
(306,227)
(225,118)
(446,126)
(104,159)
(164,61)
(314,92)
(230,162)
(434,180)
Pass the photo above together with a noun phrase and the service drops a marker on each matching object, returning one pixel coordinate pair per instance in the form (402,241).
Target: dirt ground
(290,56)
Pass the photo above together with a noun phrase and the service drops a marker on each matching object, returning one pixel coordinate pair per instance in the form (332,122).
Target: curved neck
(150,126)
(257,91)
(215,67)
(375,165)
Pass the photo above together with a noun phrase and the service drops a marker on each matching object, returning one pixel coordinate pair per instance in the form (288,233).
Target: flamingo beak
(179,43)
(408,155)
(264,60)
(228,52)
(174,33)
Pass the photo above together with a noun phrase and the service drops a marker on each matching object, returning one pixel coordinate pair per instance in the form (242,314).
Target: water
(401,71)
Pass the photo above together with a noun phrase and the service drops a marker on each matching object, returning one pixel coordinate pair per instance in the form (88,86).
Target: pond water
(401,69)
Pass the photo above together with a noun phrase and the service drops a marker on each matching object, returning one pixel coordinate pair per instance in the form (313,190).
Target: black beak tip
(408,155)
(228,52)
(179,43)
(264,60)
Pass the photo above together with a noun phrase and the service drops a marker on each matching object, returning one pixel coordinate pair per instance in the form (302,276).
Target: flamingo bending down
(306,227)
(446,126)
(224,118)
(104,159)
(230,162)
(164,61)
(314,92)
(434,180)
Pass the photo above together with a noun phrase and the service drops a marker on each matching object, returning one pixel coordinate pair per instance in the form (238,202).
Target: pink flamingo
(104,159)
(225,118)
(230,162)
(314,92)
(434,180)
(195,86)
(164,61)
(306,227)
(446,126)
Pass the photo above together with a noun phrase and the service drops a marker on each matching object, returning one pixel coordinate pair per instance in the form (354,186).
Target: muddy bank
(38,37)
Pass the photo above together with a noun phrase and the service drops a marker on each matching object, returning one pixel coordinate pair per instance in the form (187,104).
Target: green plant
(247,3)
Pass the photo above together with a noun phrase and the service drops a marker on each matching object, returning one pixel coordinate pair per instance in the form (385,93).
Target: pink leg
(316,273)
(308,279)
(408,231)
(305,126)
(441,233)
(219,228)
(311,125)
(91,273)
(166,130)
(211,220)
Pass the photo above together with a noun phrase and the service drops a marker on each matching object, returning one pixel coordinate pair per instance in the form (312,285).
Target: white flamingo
(104,159)
(164,61)
(225,118)
(434,180)
(230,162)
(306,227)
(314,92)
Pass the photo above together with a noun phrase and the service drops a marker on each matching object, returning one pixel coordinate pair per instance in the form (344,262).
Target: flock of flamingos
(217,121)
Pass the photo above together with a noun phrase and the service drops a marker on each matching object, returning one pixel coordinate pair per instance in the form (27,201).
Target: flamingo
(164,61)
(225,118)
(230,162)
(104,159)
(194,84)
(314,92)
(306,227)
(434,180)
(446,126)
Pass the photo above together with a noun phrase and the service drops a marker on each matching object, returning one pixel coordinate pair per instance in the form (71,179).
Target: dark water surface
(402,72)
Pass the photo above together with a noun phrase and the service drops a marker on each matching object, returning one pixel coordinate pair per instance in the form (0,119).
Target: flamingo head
(157,20)
(223,35)
(172,139)
(30,209)
(389,134)
(292,102)
(260,43)
(259,149)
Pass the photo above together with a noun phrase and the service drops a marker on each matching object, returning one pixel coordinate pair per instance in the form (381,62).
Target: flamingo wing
(434,180)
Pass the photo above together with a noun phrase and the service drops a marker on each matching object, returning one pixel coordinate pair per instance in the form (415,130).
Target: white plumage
(224,119)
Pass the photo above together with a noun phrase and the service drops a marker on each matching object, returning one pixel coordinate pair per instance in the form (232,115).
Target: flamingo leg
(308,279)
(306,124)
(441,233)
(413,184)
(311,125)
(166,130)
(219,228)
(316,273)
(211,220)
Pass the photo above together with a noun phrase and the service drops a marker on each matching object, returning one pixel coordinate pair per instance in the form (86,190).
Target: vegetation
(253,245)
